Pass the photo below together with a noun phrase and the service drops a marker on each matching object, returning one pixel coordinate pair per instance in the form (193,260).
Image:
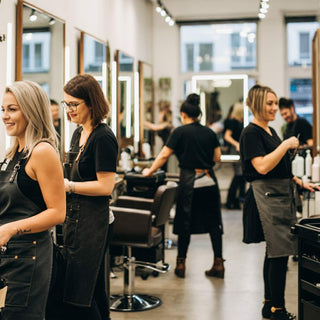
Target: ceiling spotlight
(261,15)
(264,5)
(171,23)
(52,22)
(263,10)
(33,16)
(163,13)
(167,19)
(158,9)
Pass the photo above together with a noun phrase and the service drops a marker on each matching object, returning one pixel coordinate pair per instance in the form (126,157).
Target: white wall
(126,24)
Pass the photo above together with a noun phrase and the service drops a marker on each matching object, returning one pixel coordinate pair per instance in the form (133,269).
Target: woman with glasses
(89,182)
(266,165)
(32,200)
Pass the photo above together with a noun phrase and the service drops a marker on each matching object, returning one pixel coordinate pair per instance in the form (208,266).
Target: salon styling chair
(139,223)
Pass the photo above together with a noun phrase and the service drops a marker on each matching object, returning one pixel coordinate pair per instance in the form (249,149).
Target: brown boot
(217,269)
(180,269)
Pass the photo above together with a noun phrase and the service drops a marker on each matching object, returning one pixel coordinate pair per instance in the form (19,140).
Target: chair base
(135,302)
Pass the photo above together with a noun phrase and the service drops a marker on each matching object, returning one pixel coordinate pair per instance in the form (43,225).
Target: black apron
(277,212)
(84,235)
(197,210)
(26,263)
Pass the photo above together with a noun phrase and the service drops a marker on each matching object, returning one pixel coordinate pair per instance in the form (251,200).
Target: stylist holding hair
(32,200)
(266,165)
(198,204)
(91,177)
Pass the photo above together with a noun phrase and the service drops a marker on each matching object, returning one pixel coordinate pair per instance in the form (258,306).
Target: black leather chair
(139,223)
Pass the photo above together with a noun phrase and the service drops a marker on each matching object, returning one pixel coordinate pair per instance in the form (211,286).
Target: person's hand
(310,186)
(146,172)
(5,234)
(292,143)
(238,147)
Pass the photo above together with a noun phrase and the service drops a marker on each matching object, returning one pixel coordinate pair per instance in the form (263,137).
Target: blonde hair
(237,111)
(257,99)
(35,106)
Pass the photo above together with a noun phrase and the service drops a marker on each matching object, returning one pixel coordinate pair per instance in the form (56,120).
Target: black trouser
(274,275)
(216,241)
(237,182)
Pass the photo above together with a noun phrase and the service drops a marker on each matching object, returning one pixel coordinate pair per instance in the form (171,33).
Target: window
(301,94)
(218,47)
(36,51)
(205,56)
(299,40)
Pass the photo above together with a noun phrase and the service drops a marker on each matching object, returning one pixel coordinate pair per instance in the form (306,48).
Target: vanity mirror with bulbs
(125,99)
(40,55)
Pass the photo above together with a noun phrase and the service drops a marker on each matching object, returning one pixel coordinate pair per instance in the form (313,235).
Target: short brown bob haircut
(87,88)
(257,99)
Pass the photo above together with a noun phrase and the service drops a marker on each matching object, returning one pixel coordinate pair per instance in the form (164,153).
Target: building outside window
(36,51)
(300,32)
(218,47)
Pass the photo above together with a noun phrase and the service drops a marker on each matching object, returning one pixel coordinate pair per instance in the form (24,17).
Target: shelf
(310,287)
(310,310)
(310,264)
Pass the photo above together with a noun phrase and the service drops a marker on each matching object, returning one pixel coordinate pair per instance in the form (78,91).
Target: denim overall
(26,263)
(84,234)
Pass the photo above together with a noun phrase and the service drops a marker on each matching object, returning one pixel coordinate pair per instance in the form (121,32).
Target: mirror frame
(19,34)
(117,60)
(141,99)
(244,77)
(19,57)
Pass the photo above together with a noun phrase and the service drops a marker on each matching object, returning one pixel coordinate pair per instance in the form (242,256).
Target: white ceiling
(221,9)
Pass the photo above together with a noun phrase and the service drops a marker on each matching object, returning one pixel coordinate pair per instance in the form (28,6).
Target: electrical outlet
(2,37)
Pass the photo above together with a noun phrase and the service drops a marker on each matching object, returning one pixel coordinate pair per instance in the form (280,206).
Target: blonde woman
(32,200)
(266,165)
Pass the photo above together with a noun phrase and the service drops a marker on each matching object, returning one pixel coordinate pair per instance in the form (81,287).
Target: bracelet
(71,187)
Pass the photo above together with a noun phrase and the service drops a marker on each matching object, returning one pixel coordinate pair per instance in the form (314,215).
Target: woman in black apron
(90,176)
(266,165)
(198,204)
(32,200)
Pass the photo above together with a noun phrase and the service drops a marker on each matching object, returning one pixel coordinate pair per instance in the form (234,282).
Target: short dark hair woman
(266,165)
(89,185)
(198,204)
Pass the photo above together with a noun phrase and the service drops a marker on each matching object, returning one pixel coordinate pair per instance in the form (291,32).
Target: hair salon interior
(148,55)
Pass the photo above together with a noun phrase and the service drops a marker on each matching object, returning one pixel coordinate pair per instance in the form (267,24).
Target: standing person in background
(198,203)
(232,136)
(266,165)
(295,124)
(164,126)
(86,232)
(55,116)
(32,200)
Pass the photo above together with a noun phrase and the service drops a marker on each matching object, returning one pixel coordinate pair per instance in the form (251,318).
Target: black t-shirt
(236,127)
(194,145)
(100,152)
(256,142)
(301,126)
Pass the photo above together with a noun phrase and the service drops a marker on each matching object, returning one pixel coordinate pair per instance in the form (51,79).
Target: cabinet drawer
(310,287)
(311,311)
(310,264)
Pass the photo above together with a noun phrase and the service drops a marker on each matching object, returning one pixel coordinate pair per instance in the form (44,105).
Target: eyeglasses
(71,105)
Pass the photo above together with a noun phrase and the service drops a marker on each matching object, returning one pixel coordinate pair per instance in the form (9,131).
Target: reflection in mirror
(40,56)
(146,107)
(223,110)
(125,94)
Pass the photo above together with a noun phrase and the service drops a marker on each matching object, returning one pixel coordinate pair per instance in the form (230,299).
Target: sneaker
(281,314)
(266,310)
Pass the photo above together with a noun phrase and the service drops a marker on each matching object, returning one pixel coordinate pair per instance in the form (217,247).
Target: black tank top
(29,187)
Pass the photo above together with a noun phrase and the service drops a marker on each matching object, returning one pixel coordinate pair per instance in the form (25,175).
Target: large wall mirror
(218,95)
(125,99)
(40,55)
(146,97)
